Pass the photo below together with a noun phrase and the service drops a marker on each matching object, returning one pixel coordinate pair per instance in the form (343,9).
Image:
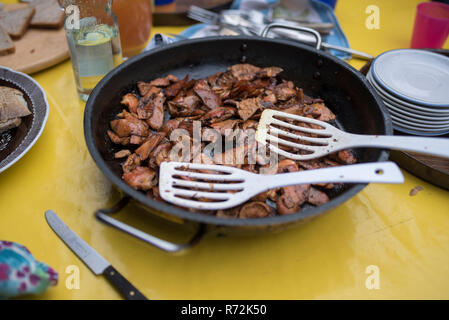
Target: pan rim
(200,217)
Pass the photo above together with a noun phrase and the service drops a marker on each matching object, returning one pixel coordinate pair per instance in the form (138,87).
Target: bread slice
(48,14)
(16,22)
(12,104)
(9,124)
(6,44)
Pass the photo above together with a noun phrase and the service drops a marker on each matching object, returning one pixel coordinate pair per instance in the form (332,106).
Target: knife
(92,258)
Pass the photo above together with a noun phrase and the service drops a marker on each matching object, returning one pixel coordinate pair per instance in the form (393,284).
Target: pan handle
(103,216)
(315,33)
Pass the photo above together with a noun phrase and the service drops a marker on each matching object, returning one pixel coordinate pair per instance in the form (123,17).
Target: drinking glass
(94,41)
(431,25)
(135,20)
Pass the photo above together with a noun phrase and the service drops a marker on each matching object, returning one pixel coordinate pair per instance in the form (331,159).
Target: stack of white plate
(414,86)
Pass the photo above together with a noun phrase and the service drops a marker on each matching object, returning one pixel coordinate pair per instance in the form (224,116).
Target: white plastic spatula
(274,127)
(220,187)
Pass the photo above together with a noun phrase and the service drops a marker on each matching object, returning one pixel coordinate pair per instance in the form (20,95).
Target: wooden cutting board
(38,49)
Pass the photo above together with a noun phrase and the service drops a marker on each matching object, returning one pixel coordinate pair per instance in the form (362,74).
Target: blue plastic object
(331,3)
(163,2)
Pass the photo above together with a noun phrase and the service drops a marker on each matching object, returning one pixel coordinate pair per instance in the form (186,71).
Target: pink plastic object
(431,25)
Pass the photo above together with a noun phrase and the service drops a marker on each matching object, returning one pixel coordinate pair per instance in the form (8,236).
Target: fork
(232,21)
(329,139)
(203,15)
(229,187)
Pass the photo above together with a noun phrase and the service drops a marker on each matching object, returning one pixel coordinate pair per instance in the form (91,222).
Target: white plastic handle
(434,146)
(378,172)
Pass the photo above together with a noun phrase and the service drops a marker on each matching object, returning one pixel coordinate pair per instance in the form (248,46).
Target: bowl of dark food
(220,84)
(23,114)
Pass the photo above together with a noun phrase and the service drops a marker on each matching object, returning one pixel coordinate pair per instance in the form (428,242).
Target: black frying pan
(344,90)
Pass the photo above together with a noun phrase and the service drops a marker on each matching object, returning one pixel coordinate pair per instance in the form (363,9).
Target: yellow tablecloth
(406,238)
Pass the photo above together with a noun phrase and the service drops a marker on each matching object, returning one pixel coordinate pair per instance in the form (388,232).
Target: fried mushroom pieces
(203,90)
(248,107)
(128,126)
(317,197)
(225,101)
(141,178)
(292,197)
(250,72)
(254,209)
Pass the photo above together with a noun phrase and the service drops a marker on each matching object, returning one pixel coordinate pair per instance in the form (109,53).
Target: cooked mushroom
(145,149)
(132,162)
(130,100)
(173,90)
(244,71)
(317,197)
(218,114)
(252,210)
(129,126)
(140,178)
(157,117)
(122,154)
(203,90)
(247,108)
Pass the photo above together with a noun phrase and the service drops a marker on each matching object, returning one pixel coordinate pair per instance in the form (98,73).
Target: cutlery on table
(92,258)
(250,24)
(228,187)
(249,17)
(233,21)
(329,139)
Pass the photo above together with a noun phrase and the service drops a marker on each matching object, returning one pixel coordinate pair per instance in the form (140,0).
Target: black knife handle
(122,285)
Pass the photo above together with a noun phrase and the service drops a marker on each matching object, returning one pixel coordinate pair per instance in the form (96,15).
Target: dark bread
(12,104)
(9,124)
(6,44)
(48,14)
(16,22)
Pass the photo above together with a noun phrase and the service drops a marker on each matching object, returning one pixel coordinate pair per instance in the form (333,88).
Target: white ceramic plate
(408,115)
(416,121)
(405,105)
(398,127)
(417,76)
(418,126)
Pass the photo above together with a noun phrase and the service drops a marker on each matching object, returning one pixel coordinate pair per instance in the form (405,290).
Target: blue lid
(163,2)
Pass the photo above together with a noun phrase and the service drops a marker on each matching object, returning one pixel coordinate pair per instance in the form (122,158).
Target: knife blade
(91,258)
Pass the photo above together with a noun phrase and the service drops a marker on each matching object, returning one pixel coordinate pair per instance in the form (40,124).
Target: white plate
(414,116)
(416,76)
(422,127)
(414,113)
(416,121)
(399,128)
(405,105)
